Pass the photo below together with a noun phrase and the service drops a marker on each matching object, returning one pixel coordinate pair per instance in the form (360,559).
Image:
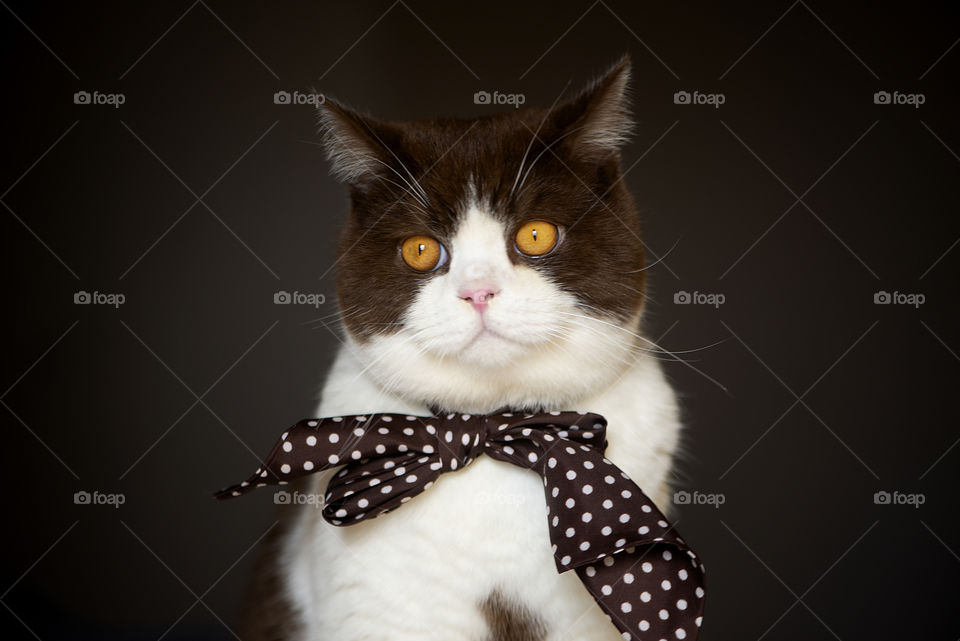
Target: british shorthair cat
(486,263)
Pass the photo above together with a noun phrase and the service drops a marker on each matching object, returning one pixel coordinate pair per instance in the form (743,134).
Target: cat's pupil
(534,235)
(420,249)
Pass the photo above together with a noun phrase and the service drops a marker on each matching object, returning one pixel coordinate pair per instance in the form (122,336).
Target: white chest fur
(421,571)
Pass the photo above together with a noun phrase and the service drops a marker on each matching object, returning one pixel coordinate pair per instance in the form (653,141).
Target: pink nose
(478,297)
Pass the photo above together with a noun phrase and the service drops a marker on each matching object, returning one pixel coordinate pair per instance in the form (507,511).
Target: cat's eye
(423,253)
(537,238)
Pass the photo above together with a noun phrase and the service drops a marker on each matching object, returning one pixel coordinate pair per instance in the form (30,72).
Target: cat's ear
(598,122)
(354,143)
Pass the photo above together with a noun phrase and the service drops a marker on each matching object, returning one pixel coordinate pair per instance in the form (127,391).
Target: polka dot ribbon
(601,524)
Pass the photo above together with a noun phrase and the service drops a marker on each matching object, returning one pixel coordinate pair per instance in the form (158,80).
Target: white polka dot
(453,464)
(380,448)
(411,478)
(682,604)
(287,446)
(333,459)
(283,436)
(556,521)
(374,482)
(308,465)
(355,454)
(363,502)
(386,489)
(606,530)
(555,492)
(311,440)
(663,614)
(606,590)
(586,517)
(608,561)
(565,560)
(571,475)
(358,431)
(508,449)
(647,567)
(448,437)
(607,504)
(285,468)
(312,423)
(551,462)
(645,508)
(698,621)
(624,517)
(620,543)
(584,546)
(643,529)
(341,513)
(532,457)
(625,607)
(682,574)
(667,555)
(587,489)
(645,597)
(628,578)
(699,593)
(591,571)
(626,494)
(662,523)
(588,465)
(570,503)
(665,584)
(644,625)
(680,633)
(609,479)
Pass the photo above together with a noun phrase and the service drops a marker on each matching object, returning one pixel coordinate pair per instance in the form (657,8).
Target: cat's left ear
(598,121)
(356,144)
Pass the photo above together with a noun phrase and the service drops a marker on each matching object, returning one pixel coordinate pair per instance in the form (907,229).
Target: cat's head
(495,261)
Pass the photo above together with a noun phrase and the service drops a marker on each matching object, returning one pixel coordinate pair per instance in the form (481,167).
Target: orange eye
(537,238)
(423,253)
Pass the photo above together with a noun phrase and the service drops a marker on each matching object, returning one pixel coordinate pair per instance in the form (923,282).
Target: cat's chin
(491,371)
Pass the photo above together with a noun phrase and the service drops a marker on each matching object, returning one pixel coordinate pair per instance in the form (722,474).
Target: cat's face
(491,262)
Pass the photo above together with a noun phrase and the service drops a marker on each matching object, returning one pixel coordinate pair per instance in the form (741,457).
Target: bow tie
(601,524)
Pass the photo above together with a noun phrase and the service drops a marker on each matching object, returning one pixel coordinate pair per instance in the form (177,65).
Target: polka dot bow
(601,524)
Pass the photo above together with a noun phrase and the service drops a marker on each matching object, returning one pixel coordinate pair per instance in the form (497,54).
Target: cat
(486,263)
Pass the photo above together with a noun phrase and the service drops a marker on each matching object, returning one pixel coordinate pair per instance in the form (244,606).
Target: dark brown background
(102,387)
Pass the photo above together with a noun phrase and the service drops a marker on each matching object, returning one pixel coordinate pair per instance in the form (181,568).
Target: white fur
(420,572)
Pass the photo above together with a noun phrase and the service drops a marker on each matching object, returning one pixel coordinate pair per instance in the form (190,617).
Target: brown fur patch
(510,620)
(267,614)
(574,182)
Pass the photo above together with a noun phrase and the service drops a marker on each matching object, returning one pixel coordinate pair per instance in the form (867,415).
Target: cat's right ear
(354,143)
